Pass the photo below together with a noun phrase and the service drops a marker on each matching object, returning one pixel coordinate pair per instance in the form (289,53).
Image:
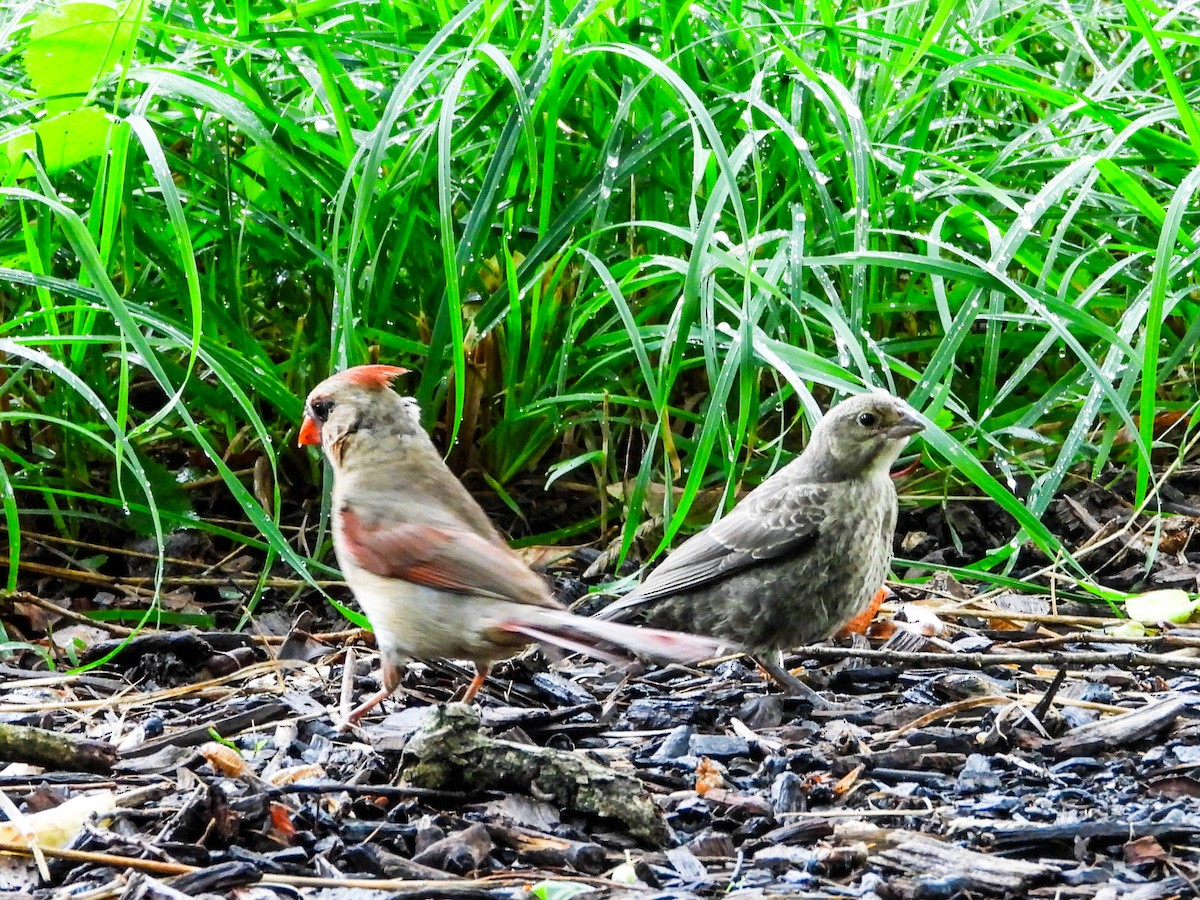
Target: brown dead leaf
(1175,786)
(847,781)
(79,635)
(1174,541)
(881,629)
(859,623)
(701,512)
(40,619)
(1143,851)
(541,557)
(1163,422)
(947,587)
(708,776)
(183,600)
(282,829)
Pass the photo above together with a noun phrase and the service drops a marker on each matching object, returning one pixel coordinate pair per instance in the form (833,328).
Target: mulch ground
(970,745)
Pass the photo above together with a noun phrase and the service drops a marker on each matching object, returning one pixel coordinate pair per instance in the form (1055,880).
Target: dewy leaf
(70,46)
(169,496)
(67,139)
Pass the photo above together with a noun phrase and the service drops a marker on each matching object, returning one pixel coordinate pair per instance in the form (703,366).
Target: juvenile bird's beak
(906,427)
(309,432)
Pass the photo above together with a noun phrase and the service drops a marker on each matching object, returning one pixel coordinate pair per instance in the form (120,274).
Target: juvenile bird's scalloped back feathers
(425,563)
(803,552)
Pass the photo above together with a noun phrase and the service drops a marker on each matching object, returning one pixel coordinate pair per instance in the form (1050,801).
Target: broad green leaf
(1168,605)
(71,46)
(67,140)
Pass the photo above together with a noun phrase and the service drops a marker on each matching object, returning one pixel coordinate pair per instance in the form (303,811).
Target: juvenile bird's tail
(598,638)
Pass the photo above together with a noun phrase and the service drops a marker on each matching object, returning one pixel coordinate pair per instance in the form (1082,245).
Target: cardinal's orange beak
(309,432)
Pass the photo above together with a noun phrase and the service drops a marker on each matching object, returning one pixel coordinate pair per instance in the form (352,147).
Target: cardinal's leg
(391,681)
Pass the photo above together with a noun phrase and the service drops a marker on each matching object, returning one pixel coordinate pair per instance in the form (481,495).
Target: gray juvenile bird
(802,553)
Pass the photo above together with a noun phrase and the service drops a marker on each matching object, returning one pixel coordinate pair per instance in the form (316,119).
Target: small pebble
(718,746)
(977,775)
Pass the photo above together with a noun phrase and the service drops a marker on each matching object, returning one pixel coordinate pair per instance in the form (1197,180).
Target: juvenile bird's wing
(450,559)
(782,522)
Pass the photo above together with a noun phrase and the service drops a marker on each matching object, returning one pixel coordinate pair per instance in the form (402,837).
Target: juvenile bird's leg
(481,674)
(791,685)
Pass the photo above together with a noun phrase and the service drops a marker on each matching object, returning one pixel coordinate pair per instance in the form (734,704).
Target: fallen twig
(1130,659)
(132,698)
(55,750)
(499,879)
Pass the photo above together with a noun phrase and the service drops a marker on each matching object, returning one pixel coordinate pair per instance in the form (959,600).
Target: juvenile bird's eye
(320,409)
(868,420)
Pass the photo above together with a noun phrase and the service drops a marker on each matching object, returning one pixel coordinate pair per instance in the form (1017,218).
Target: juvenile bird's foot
(792,685)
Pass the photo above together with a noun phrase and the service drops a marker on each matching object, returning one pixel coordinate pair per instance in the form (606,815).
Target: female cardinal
(425,563)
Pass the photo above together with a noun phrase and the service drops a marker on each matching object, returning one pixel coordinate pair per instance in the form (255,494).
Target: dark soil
(1003,745)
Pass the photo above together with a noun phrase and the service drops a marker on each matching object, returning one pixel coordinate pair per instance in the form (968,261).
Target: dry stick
(132,699)
(1130,659)
(942,712)
(140,583)
(104,548)
(70,615)
(1044,618)
(1043,705)
(380,884)
(952,709)
(866,813)
(1091,637)
(127,585)
(122,631)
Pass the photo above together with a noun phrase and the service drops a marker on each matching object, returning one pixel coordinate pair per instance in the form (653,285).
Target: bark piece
(1119,731)
(942,869)
(373,858)
(1003,833)
(450,751)
(192,648)
(547,850)
(141,886)
(221,878)
(55,750)
(458,853)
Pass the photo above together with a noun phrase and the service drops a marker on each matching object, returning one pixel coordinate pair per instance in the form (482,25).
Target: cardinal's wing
(450,559)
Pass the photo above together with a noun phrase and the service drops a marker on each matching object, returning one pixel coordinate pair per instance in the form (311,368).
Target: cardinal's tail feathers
(582,634)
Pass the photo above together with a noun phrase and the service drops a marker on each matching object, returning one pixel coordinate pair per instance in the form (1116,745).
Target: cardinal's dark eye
(868,420)
(320,409)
